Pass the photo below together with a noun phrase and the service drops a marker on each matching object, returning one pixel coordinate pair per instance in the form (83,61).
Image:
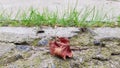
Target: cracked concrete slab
(10,54)
(28,34)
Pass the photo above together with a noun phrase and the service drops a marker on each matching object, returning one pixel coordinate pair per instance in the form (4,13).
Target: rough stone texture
(16,34)
(15,56)
(24,34)
(6,47)
(23,48)
(61,32)
(107,33)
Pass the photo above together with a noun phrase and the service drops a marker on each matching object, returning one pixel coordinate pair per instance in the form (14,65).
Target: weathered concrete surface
(62,32)
(5,48)
(24,34)
(95,56)
(107,32)
(111,7)
(16,35)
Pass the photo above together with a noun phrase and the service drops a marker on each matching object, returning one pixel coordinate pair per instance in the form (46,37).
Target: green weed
(71,17)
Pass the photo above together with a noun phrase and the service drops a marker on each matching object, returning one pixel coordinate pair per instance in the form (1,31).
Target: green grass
(119,20)
(70,17)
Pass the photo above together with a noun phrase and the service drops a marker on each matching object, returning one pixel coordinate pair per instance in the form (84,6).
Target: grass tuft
(32,17)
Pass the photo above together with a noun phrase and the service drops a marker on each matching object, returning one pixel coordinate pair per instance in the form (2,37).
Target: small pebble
(53,65)
(43,42)
(18,56)
(98,43)
(23,48)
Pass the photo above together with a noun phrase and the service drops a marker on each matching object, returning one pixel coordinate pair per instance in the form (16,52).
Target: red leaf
(60,47)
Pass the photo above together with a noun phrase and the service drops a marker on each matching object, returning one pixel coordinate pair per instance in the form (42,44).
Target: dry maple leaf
(60,47)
